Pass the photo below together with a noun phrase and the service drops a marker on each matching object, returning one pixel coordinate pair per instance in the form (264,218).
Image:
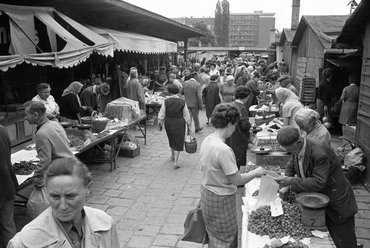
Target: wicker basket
(98,125)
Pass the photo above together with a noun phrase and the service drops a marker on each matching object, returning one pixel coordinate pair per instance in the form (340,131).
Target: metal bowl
(83,126)
(65,124)
(261,150)
(312,200)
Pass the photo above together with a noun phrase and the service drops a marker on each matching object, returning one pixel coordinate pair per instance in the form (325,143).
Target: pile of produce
(289,224)
(278,244)
(75,141)
(274,168)
(23,168)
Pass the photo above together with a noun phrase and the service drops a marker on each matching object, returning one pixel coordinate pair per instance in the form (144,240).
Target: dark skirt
(175,129)
(219,212)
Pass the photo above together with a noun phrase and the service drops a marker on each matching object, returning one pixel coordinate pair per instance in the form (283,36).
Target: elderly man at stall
(51,140)
(314,167)
(308,121)
(90,97)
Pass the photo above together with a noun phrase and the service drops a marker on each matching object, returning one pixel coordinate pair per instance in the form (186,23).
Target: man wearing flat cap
(314,167)
(90,97)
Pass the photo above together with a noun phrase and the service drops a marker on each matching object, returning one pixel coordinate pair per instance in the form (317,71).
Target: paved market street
(149,199)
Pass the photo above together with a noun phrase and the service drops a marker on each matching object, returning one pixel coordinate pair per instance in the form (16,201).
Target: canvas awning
(44,36)
(133,42)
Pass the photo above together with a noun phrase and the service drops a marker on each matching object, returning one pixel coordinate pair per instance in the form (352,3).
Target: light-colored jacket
(99,231)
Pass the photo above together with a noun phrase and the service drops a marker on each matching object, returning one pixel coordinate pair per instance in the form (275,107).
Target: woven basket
(98,125)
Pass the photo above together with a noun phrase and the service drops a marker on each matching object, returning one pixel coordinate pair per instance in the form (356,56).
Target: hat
(104,88)
(288,135)
(228,78)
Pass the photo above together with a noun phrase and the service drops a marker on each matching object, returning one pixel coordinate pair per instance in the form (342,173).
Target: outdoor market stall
(112,134)
(316,239)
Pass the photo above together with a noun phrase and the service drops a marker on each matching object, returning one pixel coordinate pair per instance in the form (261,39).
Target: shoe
(207,123)
(199,129)
(176,166)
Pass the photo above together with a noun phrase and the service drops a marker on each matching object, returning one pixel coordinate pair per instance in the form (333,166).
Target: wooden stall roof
(118,15)
(326,28)
(286,35)
(355,24)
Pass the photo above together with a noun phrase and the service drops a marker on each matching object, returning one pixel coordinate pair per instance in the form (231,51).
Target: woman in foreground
(68,222)
(221,178)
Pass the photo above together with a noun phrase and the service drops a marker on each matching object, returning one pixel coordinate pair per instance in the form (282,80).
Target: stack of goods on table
(123,109)
(79,138)
(270,222)
(265,111)
(154,99)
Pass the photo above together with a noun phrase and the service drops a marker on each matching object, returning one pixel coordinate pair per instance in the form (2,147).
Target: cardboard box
(129,153)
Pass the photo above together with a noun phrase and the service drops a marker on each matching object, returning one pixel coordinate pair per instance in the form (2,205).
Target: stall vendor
(90,97)
(43,96)
(314,167)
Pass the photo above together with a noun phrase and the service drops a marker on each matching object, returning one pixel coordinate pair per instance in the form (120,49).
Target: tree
(218,23)
(225,22)
(204,40)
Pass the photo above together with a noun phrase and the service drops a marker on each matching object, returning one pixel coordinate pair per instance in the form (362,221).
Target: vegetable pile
(289,224)
(23,168)
(75,141)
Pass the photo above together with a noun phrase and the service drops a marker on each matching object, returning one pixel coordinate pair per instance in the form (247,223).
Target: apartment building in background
(245,30)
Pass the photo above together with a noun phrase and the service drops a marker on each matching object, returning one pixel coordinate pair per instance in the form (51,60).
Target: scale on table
(312,207)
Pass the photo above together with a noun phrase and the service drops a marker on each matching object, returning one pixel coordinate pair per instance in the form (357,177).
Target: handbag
(195,227)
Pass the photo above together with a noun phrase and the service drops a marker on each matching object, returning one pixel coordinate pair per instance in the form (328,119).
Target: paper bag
(267,192)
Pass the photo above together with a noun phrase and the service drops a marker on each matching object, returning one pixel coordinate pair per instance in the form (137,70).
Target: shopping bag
(195,227)
(37,203)
(190,144)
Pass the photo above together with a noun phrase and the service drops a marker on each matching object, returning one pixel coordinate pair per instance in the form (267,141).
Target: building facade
(251,29)
(245,30)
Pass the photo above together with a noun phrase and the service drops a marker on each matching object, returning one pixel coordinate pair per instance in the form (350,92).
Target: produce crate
(128,153)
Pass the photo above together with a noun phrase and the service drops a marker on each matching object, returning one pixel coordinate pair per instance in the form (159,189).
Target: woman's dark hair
(173,89)
(327,72)
(68,167)
(42,86)
(241,92)
(223,114)
(214,77)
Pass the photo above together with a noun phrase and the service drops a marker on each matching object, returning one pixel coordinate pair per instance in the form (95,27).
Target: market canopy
(44,36)
(133,42)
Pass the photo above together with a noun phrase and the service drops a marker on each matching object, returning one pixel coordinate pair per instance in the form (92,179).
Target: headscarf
(73,88)
(283,95)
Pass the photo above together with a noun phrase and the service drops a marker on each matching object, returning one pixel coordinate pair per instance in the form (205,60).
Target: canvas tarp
(24,39)
(133,42)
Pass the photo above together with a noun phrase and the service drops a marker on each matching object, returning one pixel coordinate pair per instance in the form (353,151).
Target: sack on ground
(195,227)
(37,203)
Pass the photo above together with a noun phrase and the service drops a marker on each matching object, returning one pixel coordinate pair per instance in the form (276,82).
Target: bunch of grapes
(289,224)
(23,168)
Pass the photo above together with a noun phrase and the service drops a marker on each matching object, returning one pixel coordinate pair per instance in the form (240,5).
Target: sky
(281,8)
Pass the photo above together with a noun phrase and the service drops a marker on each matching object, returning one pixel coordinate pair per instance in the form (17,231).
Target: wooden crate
(308,90)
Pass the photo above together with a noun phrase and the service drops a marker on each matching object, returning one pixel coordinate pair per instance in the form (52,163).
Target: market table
(155,106)
(251,240)
(115,130)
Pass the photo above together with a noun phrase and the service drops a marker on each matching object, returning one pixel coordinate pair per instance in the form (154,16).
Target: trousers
(7,225)
(194,115)
(343,234)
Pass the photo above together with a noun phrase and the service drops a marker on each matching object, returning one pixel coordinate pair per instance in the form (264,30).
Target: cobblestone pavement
(149,199)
